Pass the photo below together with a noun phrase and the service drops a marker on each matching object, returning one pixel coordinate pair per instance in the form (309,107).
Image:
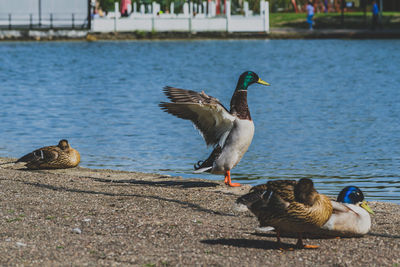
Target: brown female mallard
(289,207)
(60,156)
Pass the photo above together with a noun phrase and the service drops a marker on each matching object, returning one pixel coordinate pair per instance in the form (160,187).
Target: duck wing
(44,154)
(209,116)
(264,192)
(266,200)
(340,208)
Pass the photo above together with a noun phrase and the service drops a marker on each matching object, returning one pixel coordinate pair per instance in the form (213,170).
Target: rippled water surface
(332,112)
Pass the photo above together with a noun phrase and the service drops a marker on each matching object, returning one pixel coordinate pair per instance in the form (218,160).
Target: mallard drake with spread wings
(230,132)
(288,206)
(60,156)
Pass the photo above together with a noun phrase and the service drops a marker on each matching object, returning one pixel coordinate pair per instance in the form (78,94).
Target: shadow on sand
(155,197)
(181,184)
(246,243)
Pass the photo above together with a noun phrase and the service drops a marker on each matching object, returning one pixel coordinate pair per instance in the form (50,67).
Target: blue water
(332,112)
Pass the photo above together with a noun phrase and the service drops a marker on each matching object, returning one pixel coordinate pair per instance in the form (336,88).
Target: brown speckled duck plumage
(61,156)
(288,206)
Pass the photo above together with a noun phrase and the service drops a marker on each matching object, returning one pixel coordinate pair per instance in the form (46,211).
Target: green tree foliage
(108,5)
(282,5)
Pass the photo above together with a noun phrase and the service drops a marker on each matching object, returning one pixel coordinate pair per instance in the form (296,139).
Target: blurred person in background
(310,14)
(375,15)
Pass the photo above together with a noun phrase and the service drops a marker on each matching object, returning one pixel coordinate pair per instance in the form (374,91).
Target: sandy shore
(101,217)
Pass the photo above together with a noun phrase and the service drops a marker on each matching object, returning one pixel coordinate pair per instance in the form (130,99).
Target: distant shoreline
(276,33)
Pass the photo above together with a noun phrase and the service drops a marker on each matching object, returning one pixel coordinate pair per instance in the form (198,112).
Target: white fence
(184,22)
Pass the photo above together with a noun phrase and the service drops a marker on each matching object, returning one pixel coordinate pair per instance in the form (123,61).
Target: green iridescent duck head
(248,78)
(353,195)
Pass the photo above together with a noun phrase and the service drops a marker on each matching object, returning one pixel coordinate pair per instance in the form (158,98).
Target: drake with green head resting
(351,214)
(230,132)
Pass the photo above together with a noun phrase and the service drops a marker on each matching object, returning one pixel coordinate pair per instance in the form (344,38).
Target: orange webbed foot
(228,180)
(301,245)
(233,184)
(310,246)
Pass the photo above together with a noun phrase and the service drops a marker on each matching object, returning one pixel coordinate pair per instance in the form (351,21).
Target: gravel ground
(92,217)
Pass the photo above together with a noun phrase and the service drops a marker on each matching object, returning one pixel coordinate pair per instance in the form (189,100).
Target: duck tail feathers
(206,165)
(201,166)
(206,169)
(259,193)
(198,164)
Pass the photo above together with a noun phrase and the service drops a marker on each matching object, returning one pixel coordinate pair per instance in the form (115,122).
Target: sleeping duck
(288,206)
(230,132)
(52,157)
(350,216)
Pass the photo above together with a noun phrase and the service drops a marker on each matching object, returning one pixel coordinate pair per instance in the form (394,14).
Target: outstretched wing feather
(209,116)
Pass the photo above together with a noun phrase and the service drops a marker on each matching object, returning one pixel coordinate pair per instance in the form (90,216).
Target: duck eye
(353,196)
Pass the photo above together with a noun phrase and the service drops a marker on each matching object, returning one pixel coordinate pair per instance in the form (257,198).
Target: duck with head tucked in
(60,156)
(230,132)
(351,214)
(288,206)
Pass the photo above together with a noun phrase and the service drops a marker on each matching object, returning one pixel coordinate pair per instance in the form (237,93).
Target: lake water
(332,112)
